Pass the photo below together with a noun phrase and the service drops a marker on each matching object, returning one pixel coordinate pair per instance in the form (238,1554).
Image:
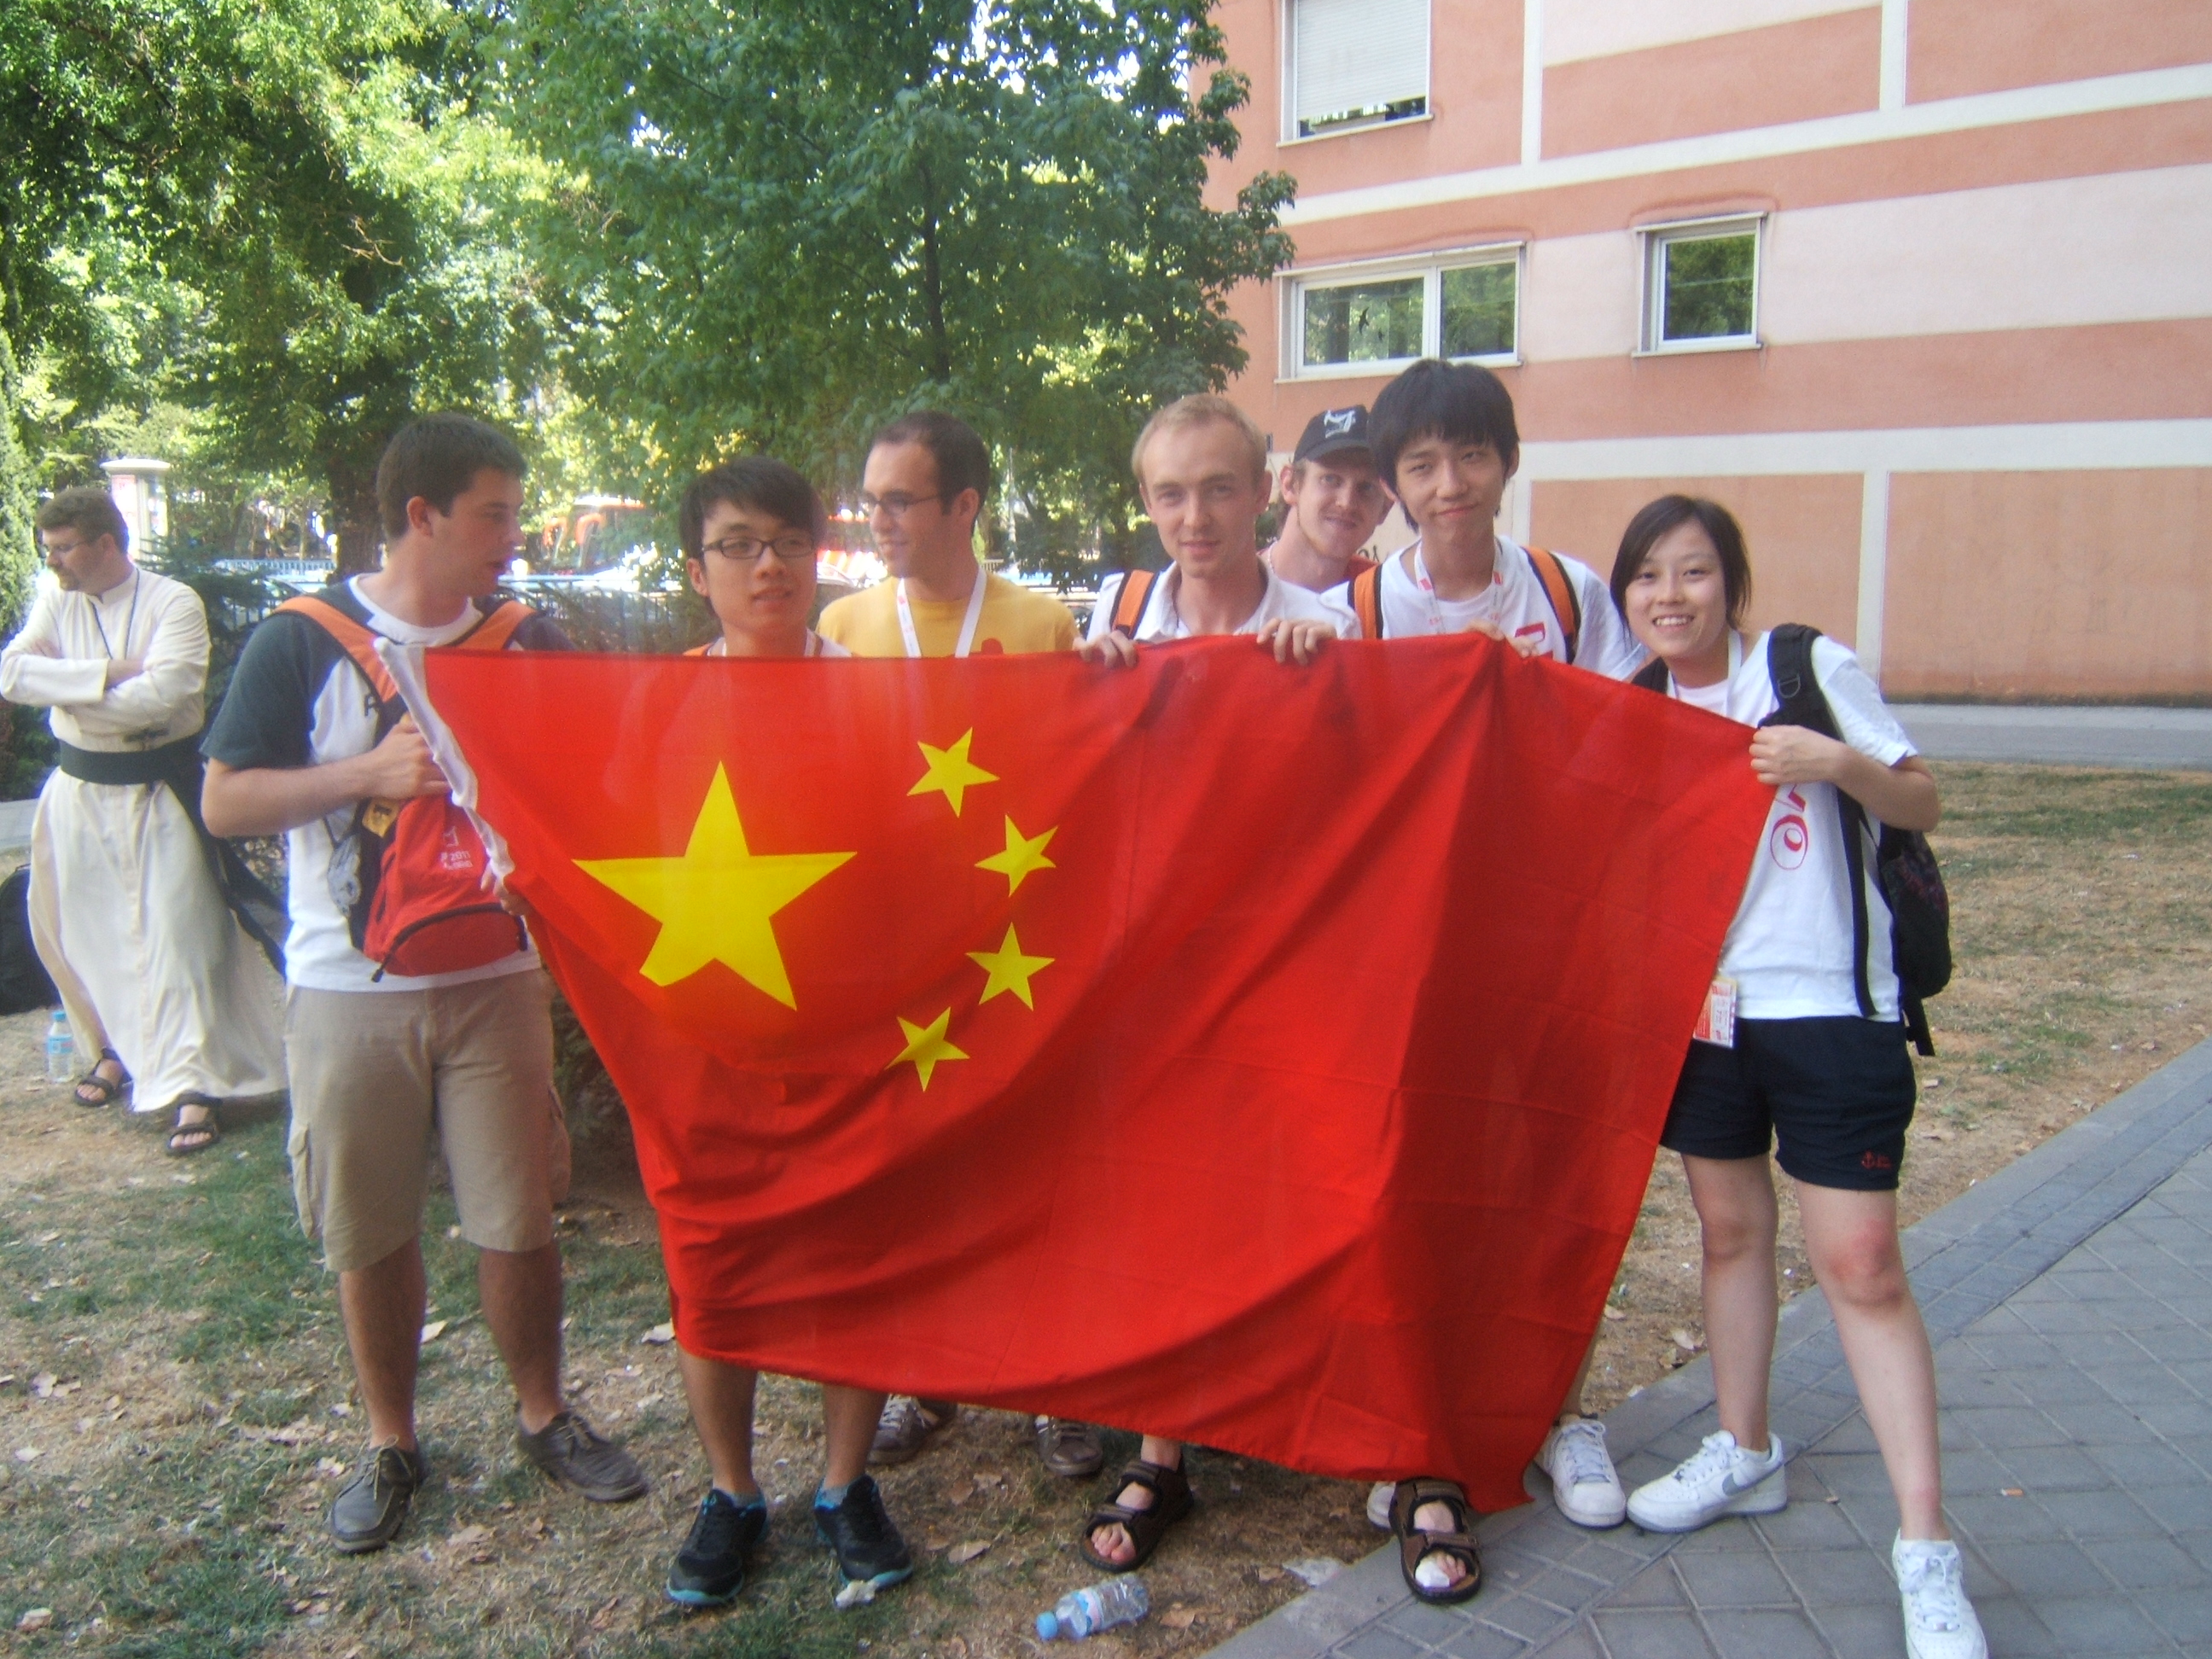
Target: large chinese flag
(1269,1057)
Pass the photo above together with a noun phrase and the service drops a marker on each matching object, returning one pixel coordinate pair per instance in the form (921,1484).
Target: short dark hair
(1460,402)
(437,456)
(962,462)
(1655,519)
(88,509)
(759,482)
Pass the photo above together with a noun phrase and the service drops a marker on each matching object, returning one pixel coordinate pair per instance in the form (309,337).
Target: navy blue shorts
(1834,1098)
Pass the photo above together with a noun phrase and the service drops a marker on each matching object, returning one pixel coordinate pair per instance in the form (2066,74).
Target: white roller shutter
(1355,56)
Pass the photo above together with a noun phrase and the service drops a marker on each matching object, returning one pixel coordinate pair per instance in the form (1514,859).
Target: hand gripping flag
(1265,1056)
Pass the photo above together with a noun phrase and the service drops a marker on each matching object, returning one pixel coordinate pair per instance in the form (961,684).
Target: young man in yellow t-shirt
(923,488)
(926,478)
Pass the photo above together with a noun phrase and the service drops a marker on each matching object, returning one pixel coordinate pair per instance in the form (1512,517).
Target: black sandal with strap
(1415,1546)
(210,1125)
(1172,1502)
(108,1088)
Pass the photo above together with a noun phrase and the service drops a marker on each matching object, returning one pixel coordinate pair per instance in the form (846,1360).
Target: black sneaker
(573,1454)
(710,1569)
(371,1505)
(859,1529)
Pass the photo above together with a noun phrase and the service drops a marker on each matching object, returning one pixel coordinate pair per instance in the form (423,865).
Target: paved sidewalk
(2069,1297)
(2089,735)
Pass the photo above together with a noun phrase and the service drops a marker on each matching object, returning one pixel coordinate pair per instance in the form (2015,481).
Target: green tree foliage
(790,220)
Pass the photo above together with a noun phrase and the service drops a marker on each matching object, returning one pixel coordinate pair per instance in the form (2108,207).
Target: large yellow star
(950,771)
(1024,855)
(926,1046)
(1008,970)
(714,903)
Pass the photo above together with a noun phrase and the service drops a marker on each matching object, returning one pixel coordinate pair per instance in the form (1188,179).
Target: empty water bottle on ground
(61,1052)
(1086,1611)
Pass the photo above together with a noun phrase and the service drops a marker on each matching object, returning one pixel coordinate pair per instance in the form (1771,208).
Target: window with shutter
(1356,62)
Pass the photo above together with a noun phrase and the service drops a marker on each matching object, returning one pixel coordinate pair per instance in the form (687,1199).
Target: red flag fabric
(1269,1057)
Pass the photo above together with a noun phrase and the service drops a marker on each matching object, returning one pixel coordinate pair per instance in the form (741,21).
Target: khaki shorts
(373,1075)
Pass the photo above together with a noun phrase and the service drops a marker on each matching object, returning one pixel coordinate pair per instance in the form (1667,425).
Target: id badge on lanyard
(967,640)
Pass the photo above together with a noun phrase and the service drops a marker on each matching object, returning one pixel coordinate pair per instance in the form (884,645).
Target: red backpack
(422,906)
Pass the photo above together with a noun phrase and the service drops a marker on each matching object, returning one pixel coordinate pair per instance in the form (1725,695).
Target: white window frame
(1650,341)
(1432,268)
(1286,18)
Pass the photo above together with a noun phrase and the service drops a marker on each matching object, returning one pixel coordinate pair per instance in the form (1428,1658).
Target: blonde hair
(1197,410)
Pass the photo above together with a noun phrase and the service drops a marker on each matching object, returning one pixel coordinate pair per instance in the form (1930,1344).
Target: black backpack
(1905,864)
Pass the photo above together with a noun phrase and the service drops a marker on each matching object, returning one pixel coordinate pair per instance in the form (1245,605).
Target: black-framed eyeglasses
(747,549)
(897,503)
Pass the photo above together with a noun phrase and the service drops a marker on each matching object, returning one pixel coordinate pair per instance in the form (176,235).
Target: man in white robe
(154,972)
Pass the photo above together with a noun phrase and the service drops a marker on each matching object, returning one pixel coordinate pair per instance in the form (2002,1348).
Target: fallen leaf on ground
(1179,1618)
(468,1535)
(665,1331)
(329,1467)
(1686,1340)
(433,1330)
(859,1593)
(961,1555)
(25,1453)
(35,1618)
(1612,1312)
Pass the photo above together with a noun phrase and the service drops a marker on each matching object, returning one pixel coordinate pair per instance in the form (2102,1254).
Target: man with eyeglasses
(923,488)
(127,910)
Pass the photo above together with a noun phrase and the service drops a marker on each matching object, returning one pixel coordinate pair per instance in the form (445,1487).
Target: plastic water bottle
(1086,1611)
(61,1052)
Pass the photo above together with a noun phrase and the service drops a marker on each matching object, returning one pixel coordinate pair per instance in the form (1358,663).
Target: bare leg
(1570,1408)
(848,1428)
(721,1401)
(1113,1542)
(521,1293)
(1851,1238)
(1737,1217)
(382,1304)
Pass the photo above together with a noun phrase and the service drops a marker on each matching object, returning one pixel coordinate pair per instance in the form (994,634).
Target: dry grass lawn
(175,1414)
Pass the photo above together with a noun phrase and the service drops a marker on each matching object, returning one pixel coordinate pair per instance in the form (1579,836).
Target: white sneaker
(1939,1619)
(1723,1479)
(1584,1484)
(1378,1504)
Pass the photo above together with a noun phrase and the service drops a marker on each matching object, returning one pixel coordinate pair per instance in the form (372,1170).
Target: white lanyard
(1735,666)
(720,647)
(960,646)
(1429,588)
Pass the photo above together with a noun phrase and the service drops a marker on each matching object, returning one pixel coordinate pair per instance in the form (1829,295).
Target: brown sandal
(1415,1546)
(1172,1502)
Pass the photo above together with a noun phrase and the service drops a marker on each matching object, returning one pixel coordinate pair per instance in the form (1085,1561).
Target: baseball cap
(1333,431)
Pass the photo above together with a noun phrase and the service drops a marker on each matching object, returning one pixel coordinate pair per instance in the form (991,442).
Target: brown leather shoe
(1070,1450)
(907,1425)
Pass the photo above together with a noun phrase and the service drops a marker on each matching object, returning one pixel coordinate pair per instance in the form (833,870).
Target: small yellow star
(1009,970)
(714,903)
(926,1046)
(1024,855)
(952,772)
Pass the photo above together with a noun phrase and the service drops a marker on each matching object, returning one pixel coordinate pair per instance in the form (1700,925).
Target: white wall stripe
(1896,39)
(2054,447)
(1532,81)
(2141,90)
(1874,568)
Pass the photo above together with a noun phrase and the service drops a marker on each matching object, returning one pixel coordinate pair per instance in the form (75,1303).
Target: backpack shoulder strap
(1130,603)
(1567,604)
(1789,667)
(1367,601)
(493,633)
(355,640)
(698,650)
(1652,676)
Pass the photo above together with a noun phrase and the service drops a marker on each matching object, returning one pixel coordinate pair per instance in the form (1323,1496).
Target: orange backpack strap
(698,650)
(357,641)
(1567,604)
(1367,601)
(493,633)
(1129,605)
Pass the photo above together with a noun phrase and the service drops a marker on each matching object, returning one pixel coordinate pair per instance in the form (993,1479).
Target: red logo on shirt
(1529,631)
(1791,838)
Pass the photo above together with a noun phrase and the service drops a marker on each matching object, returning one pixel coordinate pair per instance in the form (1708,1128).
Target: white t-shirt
(291,667)
(1161,620)
(1790,948)
(815,647)
(1518,601)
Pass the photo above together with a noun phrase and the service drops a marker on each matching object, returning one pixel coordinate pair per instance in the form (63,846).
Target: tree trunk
(353,505)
